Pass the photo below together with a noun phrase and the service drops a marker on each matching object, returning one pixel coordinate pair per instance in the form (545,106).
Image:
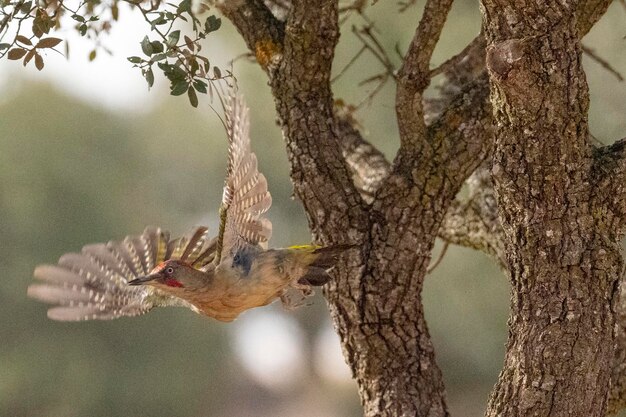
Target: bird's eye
(169,270)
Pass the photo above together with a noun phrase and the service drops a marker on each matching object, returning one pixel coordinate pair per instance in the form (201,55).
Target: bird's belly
(243,295)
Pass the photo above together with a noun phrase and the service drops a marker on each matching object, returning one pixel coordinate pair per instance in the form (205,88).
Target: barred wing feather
(245,197)
(92,284)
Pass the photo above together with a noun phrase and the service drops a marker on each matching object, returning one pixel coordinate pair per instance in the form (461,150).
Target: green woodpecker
(219,277)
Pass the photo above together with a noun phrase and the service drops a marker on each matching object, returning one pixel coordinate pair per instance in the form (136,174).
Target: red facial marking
(171,282)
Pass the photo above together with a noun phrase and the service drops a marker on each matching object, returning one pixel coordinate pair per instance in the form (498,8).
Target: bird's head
(173,276)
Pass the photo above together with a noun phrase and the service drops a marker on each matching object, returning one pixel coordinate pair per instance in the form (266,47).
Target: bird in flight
(219,277)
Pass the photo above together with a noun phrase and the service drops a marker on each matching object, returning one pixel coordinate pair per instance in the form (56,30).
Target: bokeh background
(87,154)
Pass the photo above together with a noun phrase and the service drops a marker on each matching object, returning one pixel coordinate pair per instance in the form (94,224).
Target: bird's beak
(144,279)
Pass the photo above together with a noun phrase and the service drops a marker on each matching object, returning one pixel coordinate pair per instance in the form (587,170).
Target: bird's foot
(294,299)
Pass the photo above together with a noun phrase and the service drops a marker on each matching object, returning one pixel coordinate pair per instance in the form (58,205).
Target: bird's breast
(232,293)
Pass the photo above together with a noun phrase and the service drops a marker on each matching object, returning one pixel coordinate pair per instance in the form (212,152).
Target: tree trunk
(562,252)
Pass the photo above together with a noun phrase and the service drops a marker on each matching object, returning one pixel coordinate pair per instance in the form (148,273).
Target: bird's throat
(172,282)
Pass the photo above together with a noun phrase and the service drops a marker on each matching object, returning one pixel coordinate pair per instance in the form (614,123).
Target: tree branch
(367,165)
(588,12)
(610,176)
(297,56)
(468,67)
(262,32)
(473,222)
(414,76)
(304,101)
(617,393)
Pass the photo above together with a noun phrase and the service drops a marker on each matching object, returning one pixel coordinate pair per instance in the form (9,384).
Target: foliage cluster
(26,29)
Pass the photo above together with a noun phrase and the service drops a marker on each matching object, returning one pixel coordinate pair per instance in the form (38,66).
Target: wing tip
(71,314)
(41,271)
(34,291)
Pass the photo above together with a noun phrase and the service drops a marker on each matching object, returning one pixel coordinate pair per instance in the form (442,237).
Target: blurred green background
(78,170)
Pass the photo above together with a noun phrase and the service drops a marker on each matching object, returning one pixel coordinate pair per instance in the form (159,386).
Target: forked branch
(414,75)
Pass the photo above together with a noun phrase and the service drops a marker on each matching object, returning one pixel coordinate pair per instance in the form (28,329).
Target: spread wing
(245,197)
(92,284)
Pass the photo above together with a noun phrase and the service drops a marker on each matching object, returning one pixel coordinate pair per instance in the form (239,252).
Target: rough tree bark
(563,251)
(559,228)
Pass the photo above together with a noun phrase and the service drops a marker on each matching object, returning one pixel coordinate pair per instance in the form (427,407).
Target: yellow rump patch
(304,247)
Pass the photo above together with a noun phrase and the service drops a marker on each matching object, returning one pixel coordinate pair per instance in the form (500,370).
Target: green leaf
(92,55)
(173,38)
(217,72)
(179,87)
(149,76)
(165,67)
(205,61)
(193,65)
(193,98)
(25,8)
(178,72)
(135,59)
(146,46)
(184,6)
(4,46)
(189,43)
(78,18)
(212,24)
(157,47)
(158,21)
(200,86)
(158,57)
(82,29)
(42,23)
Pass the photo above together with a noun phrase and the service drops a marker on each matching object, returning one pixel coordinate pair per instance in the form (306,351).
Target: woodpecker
(218,277)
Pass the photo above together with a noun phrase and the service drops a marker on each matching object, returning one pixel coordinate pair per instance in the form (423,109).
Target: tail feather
(327,257)
(93,284)
(315,276)
(319,260)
